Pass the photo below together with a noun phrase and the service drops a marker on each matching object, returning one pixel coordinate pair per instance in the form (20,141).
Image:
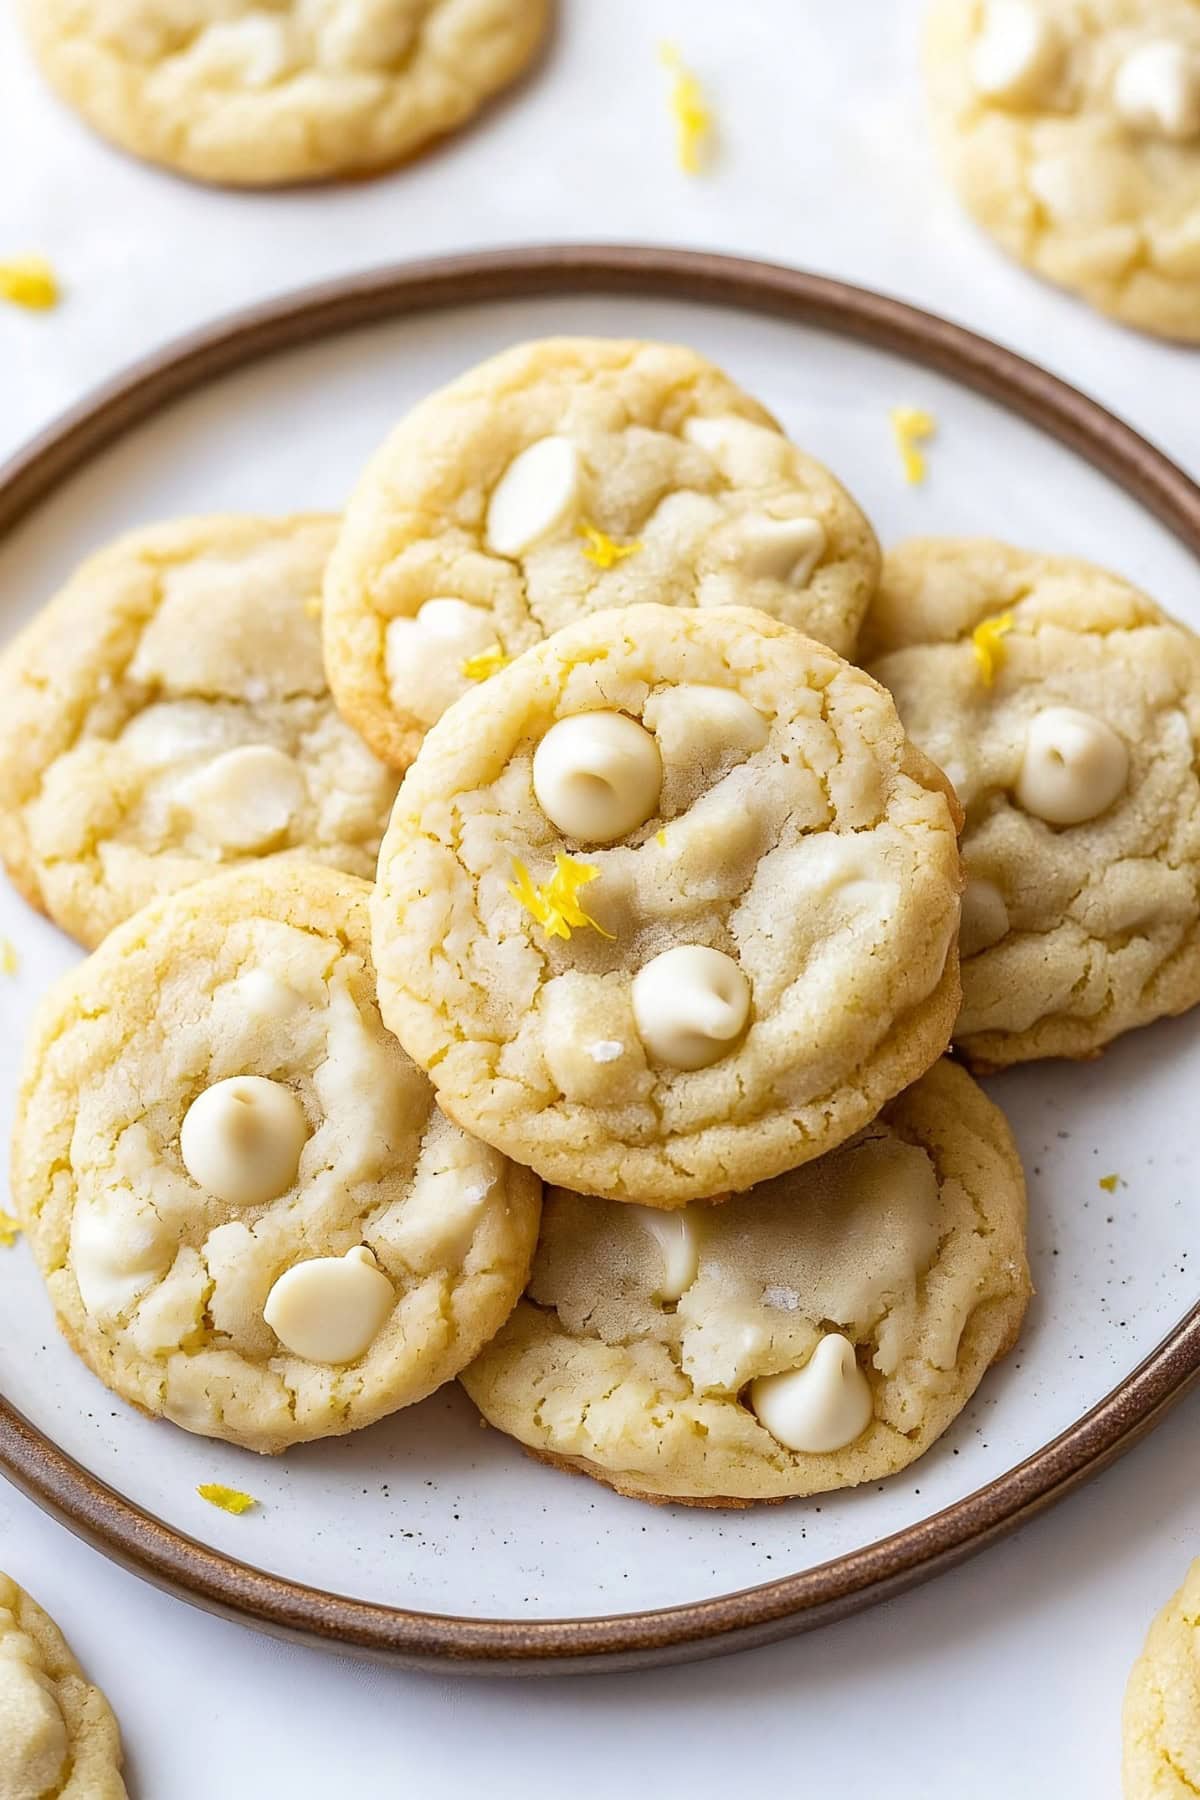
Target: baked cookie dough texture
(1065,708)
(259,92)
(560,478)
(1162,1703)
(167,715)
(670,905)
(819,1331)
(251,1216)
(57,1732)
(1071,129)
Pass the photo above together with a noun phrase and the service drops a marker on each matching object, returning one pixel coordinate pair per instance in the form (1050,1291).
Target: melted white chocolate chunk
(1157,90)
(676,1236)
(332,1308)
(1016,53)
(781,549)
(984,917)
(822,1406)
(424,653)
(1073,767)
(597,776)
(690,1005)
(537,493)
(742,450)
(119,1248)
(246,798)
(241,1139)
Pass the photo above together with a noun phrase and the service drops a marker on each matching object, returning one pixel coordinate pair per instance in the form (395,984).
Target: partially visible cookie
(57,1732)
(250,1215)
(817,1332)
(670,905)
(1072,133)
(1065,708)
(166,715)
(300,90)
(559,478)
(1161,1718)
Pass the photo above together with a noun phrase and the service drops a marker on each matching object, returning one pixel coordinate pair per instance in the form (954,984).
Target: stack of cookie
(666,917)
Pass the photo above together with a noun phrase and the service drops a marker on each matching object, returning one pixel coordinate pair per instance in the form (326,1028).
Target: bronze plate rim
(441,1642)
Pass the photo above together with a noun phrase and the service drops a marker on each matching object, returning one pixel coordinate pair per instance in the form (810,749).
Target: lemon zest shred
(230,1500)
(29,281)
(486,663)
(693,120)
(602,550)
(661,839)
(988,646)
(555,904)
(10,962)
(912,426)
(10,1230)
(1109,1183)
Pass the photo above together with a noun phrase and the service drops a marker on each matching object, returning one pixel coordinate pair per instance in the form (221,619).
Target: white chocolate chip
(742,450)
(173,731)
(608,1050)
(695,723)
(676,1236)
(424,654)
(262,995)
(332,1308)
(119,1248)
(818,1408)
(1073,767)
(597,776)
(984,917)
(690,1005)
(1016,53)
(779,549)
(1157,90)
(536,494)
(245,799)
(241,1139)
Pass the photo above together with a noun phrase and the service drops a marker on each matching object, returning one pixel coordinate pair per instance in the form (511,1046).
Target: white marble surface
(1002,1678)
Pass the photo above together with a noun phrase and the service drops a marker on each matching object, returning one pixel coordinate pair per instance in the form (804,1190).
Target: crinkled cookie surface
(211,1103)
(1072,932)
(907,1243)
(167,715)
(257,92)
(1071,129)
(1161,1718)
(794,833)
(58,1736)
(561,477)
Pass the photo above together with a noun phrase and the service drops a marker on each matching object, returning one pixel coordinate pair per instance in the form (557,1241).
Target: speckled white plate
(428,1539)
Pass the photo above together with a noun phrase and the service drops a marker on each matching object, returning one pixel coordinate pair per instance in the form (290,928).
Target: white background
(1004,1678)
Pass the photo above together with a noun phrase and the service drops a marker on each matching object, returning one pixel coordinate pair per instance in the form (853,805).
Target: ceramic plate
(428,1539)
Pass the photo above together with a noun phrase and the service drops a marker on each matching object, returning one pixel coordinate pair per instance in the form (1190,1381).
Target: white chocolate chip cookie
(258,92)
(251,1216)
(560,478)
(1065,707)
(819,1331)
(1071,129)
(733,986)
(57,1732)
(167,715)
(1161,1719)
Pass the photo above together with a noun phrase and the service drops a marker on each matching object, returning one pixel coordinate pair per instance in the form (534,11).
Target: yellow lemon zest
(10,962)
(312,607)
(230,1500)
(555,905)
(488,662)
(661,838)
(602,550)
(987,645)
(10,1230)
(29,281)
(910,427)
(693,121)
(1109,1183)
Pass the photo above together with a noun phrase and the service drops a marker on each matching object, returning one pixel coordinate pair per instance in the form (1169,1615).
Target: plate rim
(209,1578)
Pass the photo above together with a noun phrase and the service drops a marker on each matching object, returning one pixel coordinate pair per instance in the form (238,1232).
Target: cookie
(670,905)
(816,1332)
(1065,708)
(167,715)
(57,1732)
(559,478)
(302,90)
(1161,1718)
(1072,134)
(250,1215)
